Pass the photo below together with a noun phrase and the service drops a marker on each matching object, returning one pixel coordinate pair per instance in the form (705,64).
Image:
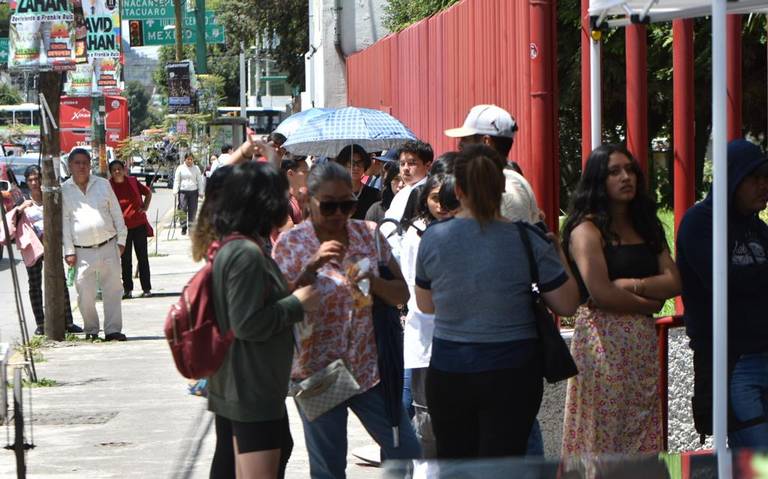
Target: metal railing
(663,325)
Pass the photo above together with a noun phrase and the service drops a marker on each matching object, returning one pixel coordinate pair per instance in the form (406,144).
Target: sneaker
(73,328)
(40,331)
(146,294)
(115,337)
(128,295)
(91,337)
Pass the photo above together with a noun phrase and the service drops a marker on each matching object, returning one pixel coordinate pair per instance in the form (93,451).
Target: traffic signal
(136,36)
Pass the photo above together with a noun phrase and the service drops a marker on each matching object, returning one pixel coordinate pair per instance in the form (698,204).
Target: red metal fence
(478,51)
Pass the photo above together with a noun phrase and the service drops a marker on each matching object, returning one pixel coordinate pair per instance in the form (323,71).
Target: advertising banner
(80,81)
(181,85)
(102,19)
(42,35)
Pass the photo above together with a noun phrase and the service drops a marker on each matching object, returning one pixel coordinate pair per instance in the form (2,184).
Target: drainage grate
(70,419)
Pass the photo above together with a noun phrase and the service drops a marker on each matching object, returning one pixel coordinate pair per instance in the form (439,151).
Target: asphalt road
(10,329)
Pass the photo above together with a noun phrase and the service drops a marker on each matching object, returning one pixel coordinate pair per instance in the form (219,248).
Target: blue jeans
(407,393)
(326,436)
(749,400)
(535,441)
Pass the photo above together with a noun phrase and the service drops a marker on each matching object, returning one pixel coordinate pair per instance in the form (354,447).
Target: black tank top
(623,261)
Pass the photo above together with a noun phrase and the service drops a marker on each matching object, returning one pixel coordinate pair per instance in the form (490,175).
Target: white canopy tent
(617,13)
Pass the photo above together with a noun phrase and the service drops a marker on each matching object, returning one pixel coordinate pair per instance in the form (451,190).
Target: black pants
(223,465)
(35,278)
(487,414)
(188,204)
(137,238)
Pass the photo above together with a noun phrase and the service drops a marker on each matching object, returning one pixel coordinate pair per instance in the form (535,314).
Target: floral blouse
(337,329)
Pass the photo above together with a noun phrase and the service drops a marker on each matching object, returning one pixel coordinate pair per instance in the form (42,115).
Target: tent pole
(720,237)
(595,90)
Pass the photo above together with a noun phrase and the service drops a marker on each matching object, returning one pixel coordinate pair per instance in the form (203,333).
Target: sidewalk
(122,410)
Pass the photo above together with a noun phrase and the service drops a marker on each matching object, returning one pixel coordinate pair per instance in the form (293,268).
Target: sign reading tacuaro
(144,9)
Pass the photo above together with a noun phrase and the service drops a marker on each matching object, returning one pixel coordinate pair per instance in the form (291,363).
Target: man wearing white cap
(495,127)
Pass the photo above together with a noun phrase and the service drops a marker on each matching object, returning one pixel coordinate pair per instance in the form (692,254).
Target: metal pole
(243,101)
(595,92)
(720,235)
(586,118)
(636,52)
(179,30)
(200,46)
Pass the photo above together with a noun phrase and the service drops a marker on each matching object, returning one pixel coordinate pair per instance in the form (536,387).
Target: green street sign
(154,32)
(4,51)
(143,9)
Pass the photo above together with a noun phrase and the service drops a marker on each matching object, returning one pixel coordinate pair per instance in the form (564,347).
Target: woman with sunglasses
(357,161)
(323,251)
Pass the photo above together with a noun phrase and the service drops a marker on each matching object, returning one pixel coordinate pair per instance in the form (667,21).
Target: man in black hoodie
(747,298)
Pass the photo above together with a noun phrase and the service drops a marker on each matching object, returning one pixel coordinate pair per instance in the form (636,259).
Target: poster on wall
(102,19)
(181,87)
(41,36)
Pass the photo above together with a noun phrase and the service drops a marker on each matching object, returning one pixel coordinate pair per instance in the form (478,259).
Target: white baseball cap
(486,120)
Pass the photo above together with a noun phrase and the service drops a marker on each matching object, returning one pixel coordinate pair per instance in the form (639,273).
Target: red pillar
(543,60)
(683,121)
(586,110)
(637,93)
(733,33)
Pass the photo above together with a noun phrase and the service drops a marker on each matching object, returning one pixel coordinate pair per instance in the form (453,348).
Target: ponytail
(478,171)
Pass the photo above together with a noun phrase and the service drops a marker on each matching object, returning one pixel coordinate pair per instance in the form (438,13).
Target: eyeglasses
(328,208)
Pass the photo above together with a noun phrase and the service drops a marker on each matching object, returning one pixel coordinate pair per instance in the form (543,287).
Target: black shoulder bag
(557,360)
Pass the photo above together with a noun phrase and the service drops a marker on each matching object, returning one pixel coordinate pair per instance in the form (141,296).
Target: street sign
(161,32)
(3,51)
(143,9)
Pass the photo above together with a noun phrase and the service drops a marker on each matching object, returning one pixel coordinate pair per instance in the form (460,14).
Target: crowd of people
(456,235)
(452,230)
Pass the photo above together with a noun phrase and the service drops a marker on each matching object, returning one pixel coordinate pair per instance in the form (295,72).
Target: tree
(10,95)
(399,14)
(259,22)
(143,116)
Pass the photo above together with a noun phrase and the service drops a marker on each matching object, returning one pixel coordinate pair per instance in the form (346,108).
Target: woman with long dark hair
(622,262)
(253,300)
(484,383)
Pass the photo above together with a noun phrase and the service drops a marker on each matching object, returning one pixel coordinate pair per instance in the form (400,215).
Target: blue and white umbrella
(327,134)
(288,126)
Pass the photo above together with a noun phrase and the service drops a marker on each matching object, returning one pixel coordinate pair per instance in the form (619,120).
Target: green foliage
(399,14)
(9,95)
(258,22)
(143,115)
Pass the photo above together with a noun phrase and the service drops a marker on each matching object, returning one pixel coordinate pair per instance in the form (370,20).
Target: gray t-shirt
(480,280)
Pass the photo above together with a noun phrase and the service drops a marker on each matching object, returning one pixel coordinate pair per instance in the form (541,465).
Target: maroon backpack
(197,345)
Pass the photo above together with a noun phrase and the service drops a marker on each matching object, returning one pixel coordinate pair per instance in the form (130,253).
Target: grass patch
(41,383)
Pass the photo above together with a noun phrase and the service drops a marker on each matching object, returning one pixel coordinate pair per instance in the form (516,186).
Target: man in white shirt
(221,160)
(495,127)
(415,158)
(94,239)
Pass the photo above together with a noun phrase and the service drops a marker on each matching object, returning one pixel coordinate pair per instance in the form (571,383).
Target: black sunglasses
(328,208)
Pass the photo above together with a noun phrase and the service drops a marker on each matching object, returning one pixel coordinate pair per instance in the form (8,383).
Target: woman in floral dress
(618,250)
(322,251)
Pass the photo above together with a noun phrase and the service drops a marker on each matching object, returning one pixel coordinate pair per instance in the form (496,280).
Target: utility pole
(55,289)
(98,143)
(200,45)
(179,30)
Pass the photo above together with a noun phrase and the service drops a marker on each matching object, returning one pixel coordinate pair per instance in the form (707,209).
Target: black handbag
(558,363)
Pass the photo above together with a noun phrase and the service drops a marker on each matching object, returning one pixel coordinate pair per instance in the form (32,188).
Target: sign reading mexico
(102,19)
(42,35)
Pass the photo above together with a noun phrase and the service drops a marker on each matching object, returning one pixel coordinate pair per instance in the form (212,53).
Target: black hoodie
(747,272)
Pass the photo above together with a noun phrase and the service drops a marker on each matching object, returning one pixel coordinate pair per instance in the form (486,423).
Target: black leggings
(486,414)
(251,437)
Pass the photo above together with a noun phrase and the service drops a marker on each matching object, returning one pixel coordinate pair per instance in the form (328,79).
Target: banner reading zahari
(41,35)
(102,18)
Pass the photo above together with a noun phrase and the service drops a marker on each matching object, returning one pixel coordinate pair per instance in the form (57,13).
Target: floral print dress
(337,329)
(613,406)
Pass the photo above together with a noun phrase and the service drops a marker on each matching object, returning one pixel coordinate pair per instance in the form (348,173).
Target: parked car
(18,165)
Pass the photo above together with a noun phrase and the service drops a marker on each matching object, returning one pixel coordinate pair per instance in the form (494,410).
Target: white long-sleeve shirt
(188,178)
(92,217)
